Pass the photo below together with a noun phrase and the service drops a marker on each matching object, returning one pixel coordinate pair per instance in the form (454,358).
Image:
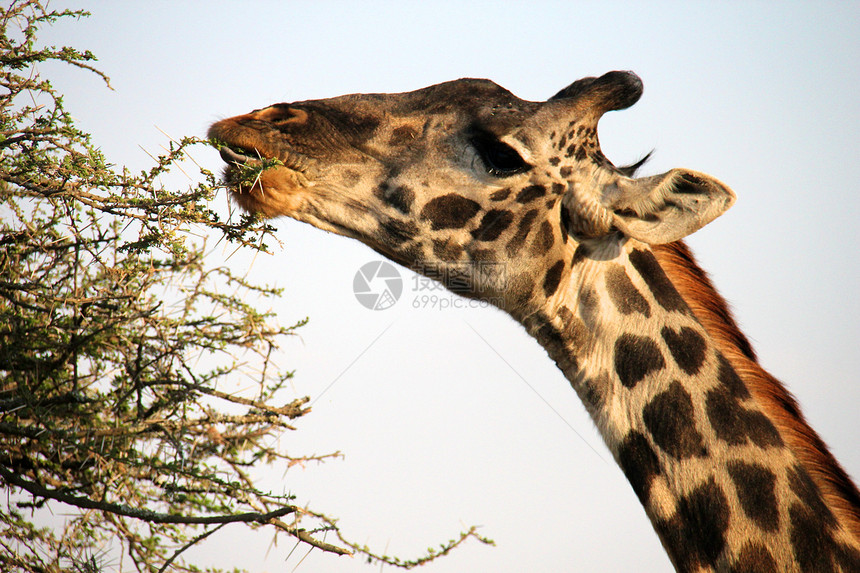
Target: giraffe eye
(500,159)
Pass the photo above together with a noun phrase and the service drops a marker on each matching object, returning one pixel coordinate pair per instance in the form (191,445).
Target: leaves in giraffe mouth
(244,167)
(241,158)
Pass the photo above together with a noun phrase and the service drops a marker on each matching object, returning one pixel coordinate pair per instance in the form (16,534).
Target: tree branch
(194,541)
(305,536)
(141,514)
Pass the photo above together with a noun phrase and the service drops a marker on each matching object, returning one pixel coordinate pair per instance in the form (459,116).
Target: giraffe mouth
(267,184)
(237,157)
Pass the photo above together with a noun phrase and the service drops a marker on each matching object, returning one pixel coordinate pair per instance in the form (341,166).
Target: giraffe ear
(611,91)
(668,207)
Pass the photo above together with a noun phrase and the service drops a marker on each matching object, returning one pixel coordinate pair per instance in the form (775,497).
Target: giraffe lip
(237,155)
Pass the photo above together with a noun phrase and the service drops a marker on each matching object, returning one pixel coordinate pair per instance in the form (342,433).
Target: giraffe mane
(713,312)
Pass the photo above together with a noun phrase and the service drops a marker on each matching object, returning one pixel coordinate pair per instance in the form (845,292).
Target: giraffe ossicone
(464,177)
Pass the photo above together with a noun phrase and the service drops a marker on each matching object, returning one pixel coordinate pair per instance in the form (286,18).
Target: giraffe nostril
(294,115)
(281,113)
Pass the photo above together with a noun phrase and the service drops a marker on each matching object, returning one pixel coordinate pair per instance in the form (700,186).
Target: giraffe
(517,198)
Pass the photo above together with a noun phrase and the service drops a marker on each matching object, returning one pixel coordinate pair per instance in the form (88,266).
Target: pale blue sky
(438,432)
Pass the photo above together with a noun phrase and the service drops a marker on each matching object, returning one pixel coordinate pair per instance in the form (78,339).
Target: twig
(142,514)
(197,539)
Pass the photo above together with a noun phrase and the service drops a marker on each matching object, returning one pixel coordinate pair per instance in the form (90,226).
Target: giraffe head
(464,174)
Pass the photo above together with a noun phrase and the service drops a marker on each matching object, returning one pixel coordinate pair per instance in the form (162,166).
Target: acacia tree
(119,344)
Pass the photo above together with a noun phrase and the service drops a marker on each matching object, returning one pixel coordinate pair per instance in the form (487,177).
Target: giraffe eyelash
(499,158)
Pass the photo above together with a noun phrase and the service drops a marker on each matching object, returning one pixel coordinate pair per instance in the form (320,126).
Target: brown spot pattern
(544,240)
(399,196)
(754,484)
(494,222)
(661,287)
(636,357)
(736,425)
(623,294)
(500,195)
(687,348)
(523,228)
(754,558)
(704,511)
(639,463)
(552,279)
(671,420)
(449,211)
(530,193)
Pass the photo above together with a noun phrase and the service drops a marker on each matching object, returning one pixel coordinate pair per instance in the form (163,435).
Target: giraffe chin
(275,193)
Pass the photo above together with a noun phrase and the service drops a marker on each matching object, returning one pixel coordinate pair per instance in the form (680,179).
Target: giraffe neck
(725,474)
